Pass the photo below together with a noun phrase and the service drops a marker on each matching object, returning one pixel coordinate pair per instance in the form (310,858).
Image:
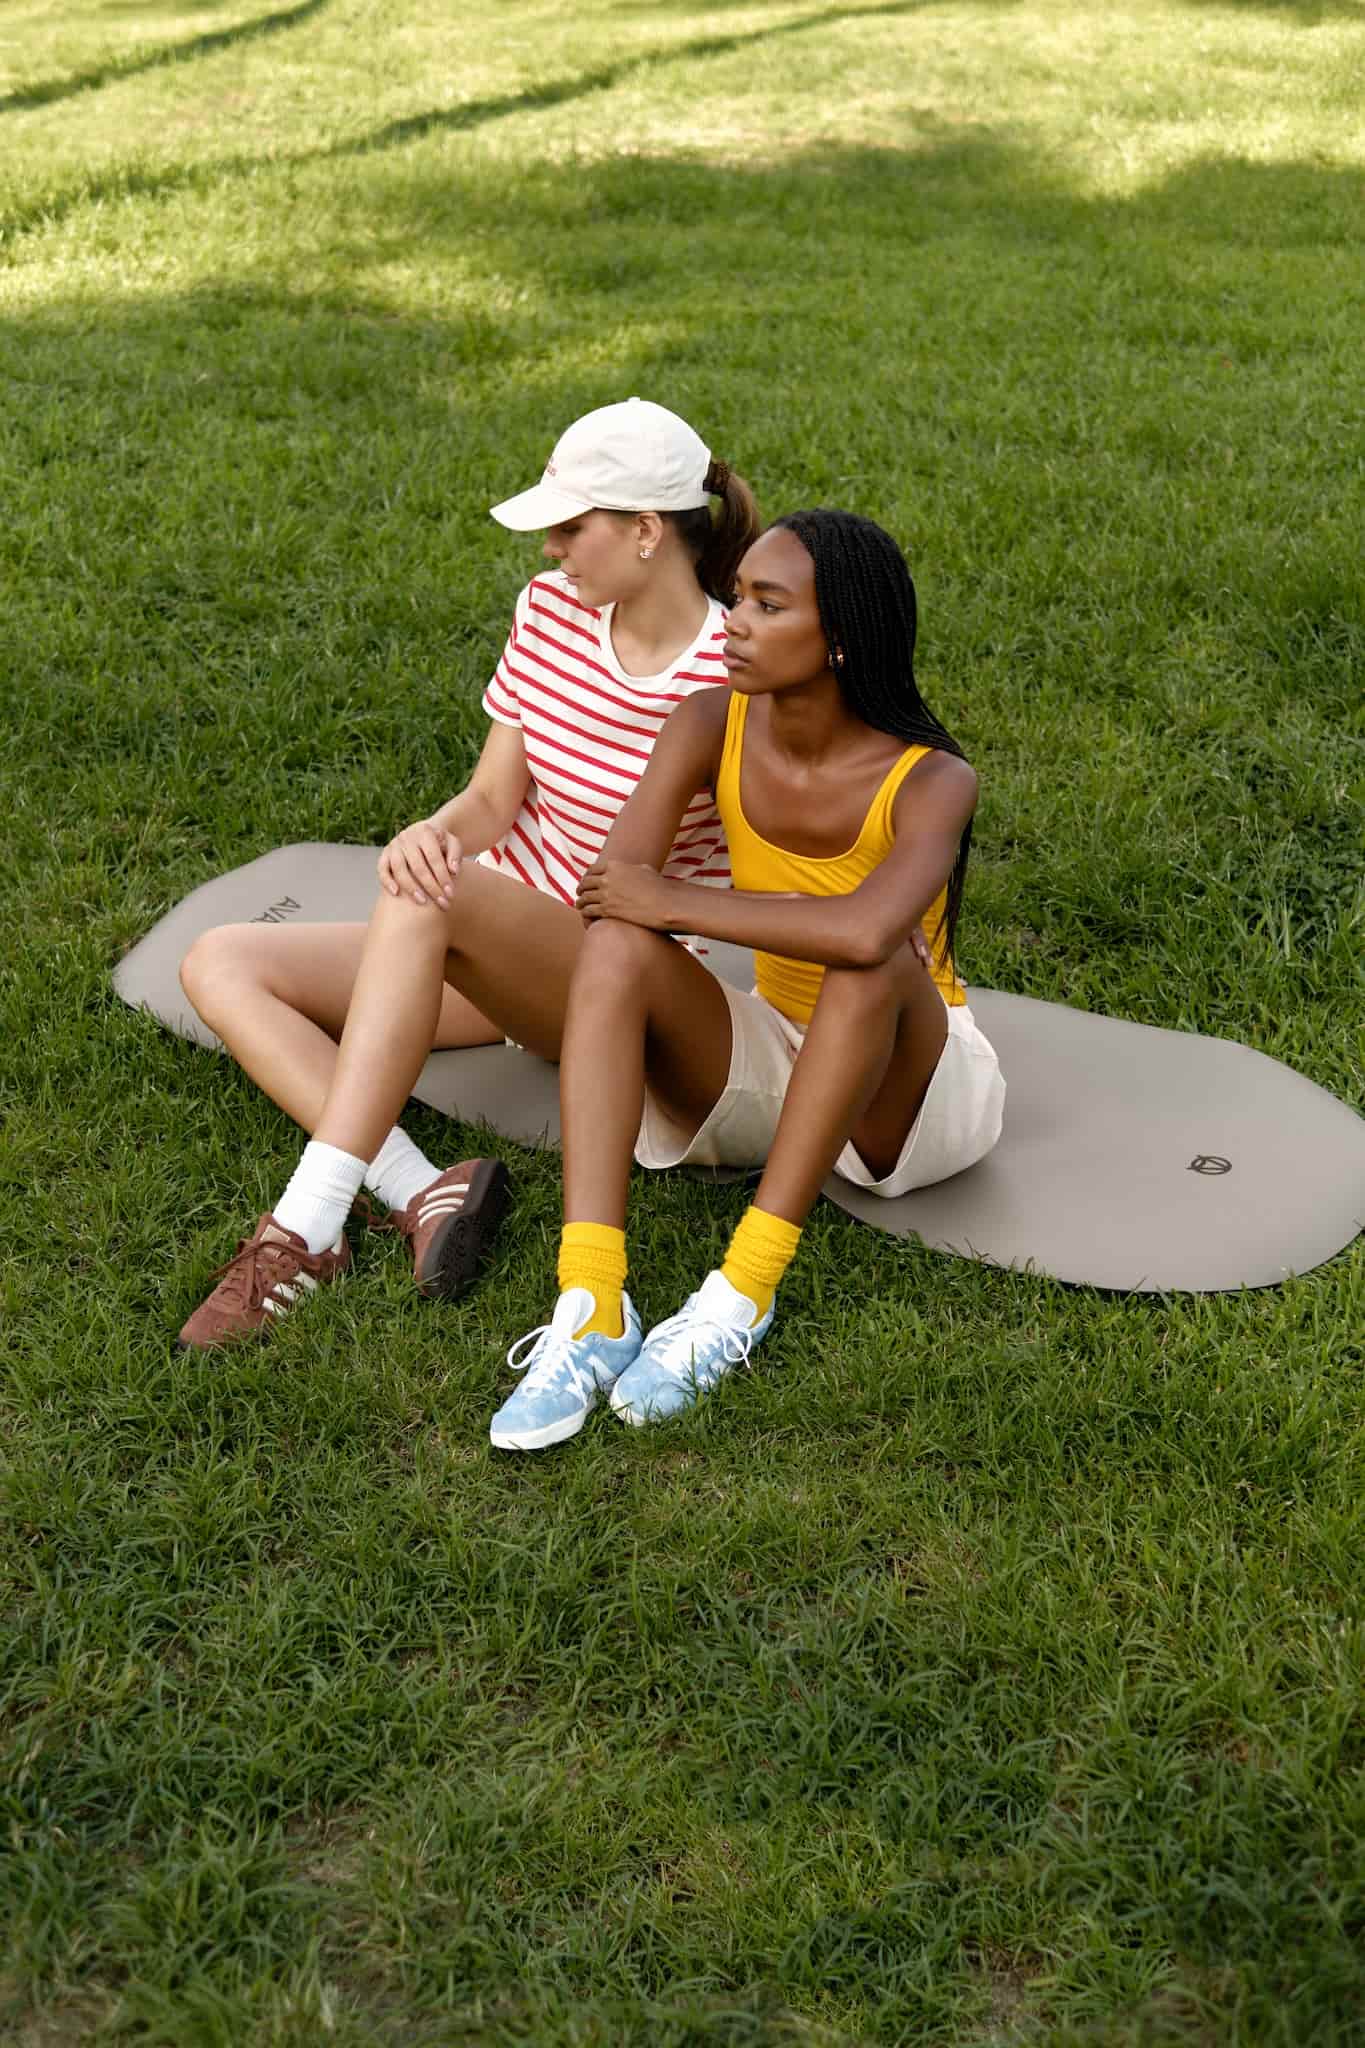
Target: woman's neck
(656,623)
(807,723)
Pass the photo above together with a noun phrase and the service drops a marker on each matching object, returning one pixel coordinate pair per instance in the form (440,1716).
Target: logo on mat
(1209,1162)
(277,912)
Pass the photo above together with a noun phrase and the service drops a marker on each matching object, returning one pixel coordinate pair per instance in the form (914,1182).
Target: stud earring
(645,554)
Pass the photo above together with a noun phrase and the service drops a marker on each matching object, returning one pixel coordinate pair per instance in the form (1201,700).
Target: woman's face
(773,636)
(599,552)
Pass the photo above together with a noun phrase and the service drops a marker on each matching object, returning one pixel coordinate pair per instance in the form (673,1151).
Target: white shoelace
(549,1356)
(676,1353)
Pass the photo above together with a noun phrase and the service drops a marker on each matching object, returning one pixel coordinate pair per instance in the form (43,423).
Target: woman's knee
(408,923)
(615,961)
(610,946)
(218,965)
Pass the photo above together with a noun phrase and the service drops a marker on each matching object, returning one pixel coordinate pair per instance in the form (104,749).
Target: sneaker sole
(451,1261)
(539,1439)
(181,1347)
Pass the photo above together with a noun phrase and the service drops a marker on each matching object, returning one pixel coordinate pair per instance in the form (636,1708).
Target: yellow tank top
(791,986)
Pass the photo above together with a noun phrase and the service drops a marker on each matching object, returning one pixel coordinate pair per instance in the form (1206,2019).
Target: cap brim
(541,506)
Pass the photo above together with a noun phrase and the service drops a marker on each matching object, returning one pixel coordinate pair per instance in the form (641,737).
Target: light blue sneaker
(685,1356)
(564,1375)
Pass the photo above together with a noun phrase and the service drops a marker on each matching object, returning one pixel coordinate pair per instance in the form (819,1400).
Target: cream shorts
(958,1122)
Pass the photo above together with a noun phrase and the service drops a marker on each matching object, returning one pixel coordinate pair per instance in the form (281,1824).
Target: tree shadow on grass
(44,92)
(467,114)
(873,9)
(1104,426)
(186,7)
(837,277)
(1308,13)
(556,91)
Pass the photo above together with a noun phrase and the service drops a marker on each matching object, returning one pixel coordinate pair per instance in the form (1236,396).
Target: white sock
(318,1199)
(399,1170)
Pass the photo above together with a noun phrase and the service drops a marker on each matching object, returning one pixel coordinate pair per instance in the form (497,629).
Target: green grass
(985,1667)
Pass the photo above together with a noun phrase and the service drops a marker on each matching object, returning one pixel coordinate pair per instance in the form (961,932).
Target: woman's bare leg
(509,950)
(642,1006)
(277,996)
(636,998)
(869,1054)
(640,1009)
(639,1003)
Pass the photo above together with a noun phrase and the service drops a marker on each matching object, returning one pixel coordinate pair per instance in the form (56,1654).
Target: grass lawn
(985,1667)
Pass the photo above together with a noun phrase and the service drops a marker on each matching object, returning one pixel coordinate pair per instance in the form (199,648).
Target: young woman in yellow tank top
(848,811)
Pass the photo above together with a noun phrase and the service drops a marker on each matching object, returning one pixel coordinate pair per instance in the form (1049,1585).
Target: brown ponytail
(719,540)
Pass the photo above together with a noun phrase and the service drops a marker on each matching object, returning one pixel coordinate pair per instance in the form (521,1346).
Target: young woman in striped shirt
(475,934)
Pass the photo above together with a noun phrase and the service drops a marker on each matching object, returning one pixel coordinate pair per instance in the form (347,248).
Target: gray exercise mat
(501,1085)
(1132,1158)
(319,884)
(1142,1159)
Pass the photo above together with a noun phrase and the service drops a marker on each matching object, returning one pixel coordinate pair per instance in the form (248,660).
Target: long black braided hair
(866,598)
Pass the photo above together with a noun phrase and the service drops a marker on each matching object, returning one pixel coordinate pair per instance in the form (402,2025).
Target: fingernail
(418,897)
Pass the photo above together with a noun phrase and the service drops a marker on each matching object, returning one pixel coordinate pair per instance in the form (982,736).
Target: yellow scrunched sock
(593,1255)
(761,1250)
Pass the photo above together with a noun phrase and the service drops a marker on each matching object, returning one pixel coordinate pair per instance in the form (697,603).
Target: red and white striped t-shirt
(588,729)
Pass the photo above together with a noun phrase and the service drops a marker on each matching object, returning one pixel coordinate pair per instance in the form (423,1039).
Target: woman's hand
(421,861)
(626,890)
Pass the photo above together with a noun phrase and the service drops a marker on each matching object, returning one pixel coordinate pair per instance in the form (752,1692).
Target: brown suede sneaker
(451,1225)
(258,1283)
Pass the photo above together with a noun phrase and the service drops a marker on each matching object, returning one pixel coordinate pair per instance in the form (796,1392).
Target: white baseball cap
(631,457)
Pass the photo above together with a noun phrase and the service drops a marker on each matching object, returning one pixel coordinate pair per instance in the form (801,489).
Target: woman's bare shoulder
(943,780)
(708,708)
